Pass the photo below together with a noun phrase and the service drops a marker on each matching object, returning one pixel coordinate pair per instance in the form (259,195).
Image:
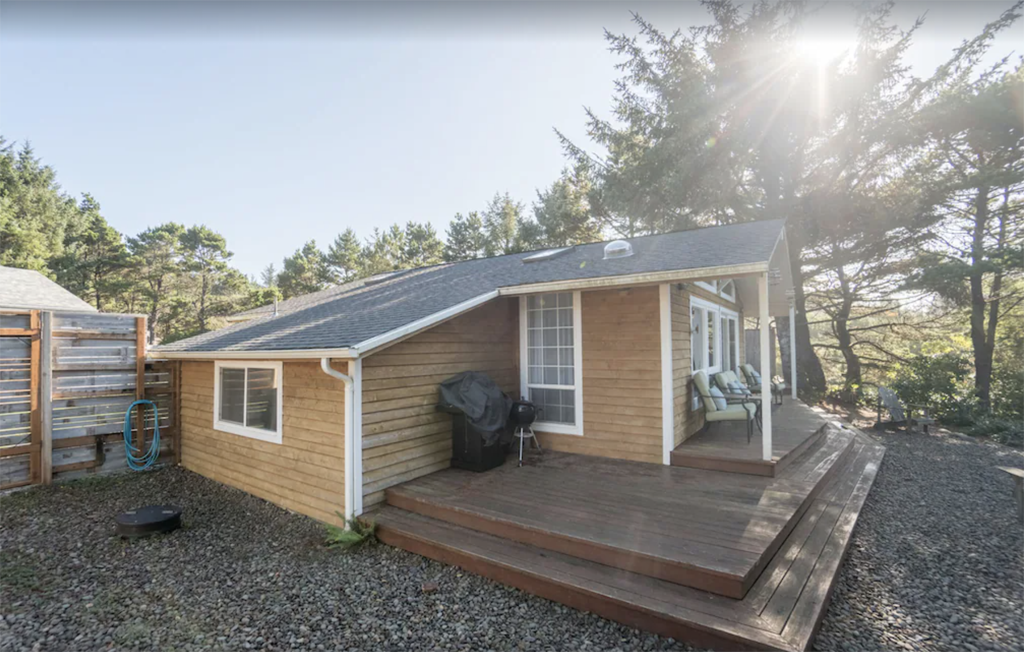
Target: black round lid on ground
(151,519)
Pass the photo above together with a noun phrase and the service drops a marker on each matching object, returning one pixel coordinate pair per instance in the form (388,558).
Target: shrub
(941,381)
(1004,431)
(356,534)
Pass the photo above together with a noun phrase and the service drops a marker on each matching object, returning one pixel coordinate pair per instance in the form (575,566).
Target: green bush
(941,381)
(1008,393)
(1004,431)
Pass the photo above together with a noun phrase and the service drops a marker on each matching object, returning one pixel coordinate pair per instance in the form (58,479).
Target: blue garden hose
(141,463)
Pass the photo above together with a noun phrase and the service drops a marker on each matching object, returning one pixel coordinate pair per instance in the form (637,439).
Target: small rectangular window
(247,399)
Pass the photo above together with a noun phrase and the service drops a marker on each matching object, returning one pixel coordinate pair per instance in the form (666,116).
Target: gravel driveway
(936,563)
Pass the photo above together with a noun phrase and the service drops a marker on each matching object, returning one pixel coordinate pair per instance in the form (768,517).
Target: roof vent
(547,255)
(618,249)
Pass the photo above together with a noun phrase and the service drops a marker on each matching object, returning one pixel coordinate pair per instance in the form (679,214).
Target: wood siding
(305,473)
(404,437)
(687,420)
(621,377)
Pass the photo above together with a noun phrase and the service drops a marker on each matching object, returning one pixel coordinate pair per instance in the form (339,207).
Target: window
(551,358)
(710,286)
(727,290)
(247,399)
(714,339)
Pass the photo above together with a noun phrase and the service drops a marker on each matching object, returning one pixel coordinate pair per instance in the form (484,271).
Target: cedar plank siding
(621,377)
(688,421)
(305,473)
(404,436)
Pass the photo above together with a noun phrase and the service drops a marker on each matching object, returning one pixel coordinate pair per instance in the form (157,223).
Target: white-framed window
(551,359)
(247,399)
(714,340)
(727,290)
(710,286)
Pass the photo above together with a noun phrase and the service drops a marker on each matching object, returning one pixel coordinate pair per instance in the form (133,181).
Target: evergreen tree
(94,258)
(268,277)
(344,255)
(156,256)
(466,239)
(422,246)
(205,258)
(563,210)
(304,271)
(501,221)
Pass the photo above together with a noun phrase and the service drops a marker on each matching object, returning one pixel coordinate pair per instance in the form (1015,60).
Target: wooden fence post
(140,379)
(46,397)
(35,424)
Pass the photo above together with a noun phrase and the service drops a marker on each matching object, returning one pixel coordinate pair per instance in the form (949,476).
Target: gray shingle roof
(348,315)
(28,289)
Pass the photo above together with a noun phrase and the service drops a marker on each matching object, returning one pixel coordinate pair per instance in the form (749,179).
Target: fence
(66,380)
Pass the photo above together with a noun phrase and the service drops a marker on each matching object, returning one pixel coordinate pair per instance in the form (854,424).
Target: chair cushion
(719,399)
(737,387)
(700,381)
(735,412)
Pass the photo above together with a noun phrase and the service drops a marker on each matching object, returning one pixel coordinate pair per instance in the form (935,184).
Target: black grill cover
(481,400)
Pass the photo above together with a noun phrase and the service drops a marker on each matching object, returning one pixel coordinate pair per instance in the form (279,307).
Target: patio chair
(888,401)
(754,380)
(719,408)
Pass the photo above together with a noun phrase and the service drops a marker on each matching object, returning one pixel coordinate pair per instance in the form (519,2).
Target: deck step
(664,522)
(782,610)
(684,457)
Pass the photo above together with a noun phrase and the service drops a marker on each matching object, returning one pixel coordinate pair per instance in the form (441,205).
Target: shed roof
(26,289)
(354,314)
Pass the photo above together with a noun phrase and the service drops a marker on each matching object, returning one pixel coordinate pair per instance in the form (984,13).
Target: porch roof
(354,318)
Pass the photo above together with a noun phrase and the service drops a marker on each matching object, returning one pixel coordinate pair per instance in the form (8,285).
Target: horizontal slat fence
(92,372)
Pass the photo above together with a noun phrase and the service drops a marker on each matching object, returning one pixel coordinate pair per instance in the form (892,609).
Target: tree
(205,257)
(466,239)
(502,221)
(975,132)
(563,210)
(304,271)
(156,254)
(384,251)
(343,256)
(268,277)
(422,246)
(94,258)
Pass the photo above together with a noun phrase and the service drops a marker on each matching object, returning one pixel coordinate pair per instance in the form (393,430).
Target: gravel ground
(936,563)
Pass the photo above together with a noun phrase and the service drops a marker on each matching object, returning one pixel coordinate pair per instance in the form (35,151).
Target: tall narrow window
(551,334)
(712,337)
(247,399)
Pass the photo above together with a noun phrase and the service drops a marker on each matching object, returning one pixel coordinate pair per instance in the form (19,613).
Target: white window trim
(524,369)
(710,286)
(728,296)
(239,429)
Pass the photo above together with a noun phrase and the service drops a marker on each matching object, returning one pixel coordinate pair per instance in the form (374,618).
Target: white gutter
(351,504)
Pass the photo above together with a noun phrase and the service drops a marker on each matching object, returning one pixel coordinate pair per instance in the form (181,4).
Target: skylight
(545,255)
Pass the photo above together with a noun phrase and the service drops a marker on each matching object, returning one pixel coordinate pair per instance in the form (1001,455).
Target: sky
(276,123)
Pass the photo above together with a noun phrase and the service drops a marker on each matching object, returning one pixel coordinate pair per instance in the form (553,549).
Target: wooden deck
(586,532)
(724,446)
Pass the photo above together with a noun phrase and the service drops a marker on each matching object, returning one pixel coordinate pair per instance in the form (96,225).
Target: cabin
(658,501)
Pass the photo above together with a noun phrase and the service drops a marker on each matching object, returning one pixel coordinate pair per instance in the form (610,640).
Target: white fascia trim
(651,278)
(290,354)
(668,420)
(366,346)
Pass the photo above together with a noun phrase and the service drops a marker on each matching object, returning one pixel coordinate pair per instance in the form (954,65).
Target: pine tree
(563,210)
(156,255)
(422,246)
(501,222)
(466,239)
(304,271)
(344,256)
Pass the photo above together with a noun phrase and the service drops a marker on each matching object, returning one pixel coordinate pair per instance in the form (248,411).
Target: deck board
(704,529)
(724,446)
(781,611)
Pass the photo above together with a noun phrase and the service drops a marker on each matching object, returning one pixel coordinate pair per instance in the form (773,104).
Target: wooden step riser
(794,454)
(602,605)
(729,586)
(837,467)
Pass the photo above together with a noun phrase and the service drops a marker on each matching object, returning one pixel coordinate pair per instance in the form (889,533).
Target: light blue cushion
(737,387)
(719,398)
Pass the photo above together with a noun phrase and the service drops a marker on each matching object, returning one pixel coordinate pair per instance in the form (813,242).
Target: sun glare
(824,50)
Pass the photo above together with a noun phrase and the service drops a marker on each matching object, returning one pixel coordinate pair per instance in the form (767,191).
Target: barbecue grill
(523,414)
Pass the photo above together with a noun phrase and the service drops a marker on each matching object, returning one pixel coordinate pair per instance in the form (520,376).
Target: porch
(718,559)
(724,447)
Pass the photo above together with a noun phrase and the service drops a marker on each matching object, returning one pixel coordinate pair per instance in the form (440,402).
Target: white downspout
(350,456)
(766,369)
(792,347)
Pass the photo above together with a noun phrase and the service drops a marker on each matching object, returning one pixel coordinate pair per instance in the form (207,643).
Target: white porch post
(668,419)
(792,347)
(766,369)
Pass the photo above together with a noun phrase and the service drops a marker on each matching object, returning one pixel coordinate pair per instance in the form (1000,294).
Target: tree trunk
(809,373)
(979,340)
(841,323)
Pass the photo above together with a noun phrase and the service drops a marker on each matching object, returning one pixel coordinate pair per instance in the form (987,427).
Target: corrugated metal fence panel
(20,320)
(15,393)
